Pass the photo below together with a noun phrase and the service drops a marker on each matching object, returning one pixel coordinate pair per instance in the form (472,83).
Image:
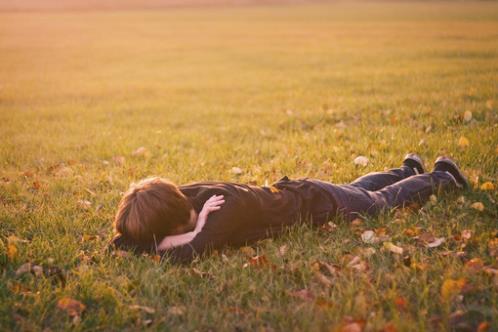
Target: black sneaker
(445,164)
(414,161)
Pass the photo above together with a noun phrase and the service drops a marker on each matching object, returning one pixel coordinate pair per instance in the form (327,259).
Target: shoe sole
(457,174)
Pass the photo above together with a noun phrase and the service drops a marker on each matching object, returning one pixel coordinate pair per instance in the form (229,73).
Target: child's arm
(212,204)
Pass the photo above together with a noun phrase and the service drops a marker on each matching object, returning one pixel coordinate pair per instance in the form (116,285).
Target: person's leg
(354,201)
(412,165)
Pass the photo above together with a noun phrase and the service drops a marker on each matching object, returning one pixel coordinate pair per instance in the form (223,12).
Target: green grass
(263,89)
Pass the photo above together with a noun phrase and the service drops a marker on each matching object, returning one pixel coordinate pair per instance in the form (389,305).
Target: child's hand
(212,204)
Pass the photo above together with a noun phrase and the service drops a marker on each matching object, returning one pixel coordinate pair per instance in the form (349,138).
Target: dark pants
(374,192)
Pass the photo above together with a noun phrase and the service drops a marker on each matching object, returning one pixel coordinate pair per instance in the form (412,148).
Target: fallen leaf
(361,161)
(323,303)
(84,204)
(467,116)
(12,251)
(71,306)
(463,142)
(259,261)
(352,326)
(466,234)
(393,248)
(478,206)
(488,186)
(452,287)
(63,171)
(248,251)
(329,227)
(474,265)
(436,243)
(389,327)
(121,253)
(412,231)
(146,309)
(140,152)
(303,294)
(493,247)
(356,263)
(176,310)
(426,237)
(236,171)
(37,270)
(282,250)
(489,104)
(119,160)
(401,303)
(23,269)
(200,273)
(483,327)
(369,237)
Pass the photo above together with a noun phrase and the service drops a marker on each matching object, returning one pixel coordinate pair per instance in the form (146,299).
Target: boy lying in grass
(182,222)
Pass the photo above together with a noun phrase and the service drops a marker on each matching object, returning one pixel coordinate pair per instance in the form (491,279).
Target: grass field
(295,90)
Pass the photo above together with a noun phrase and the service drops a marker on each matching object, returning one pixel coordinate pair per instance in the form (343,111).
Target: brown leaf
(323,303)
(466,234)
(259,261)
(71,306)
(321,278)
(436,243)
(412,231)
(401,303)
(493,247)
(351,326)
(119,160)
(426,237)
(356,263)
(177,310)
(483,327)
(474,265)
(248,251)
(303,294)
(140,152)
(146,309)
(23,269)
(282,250)
(477,206)
(121,253)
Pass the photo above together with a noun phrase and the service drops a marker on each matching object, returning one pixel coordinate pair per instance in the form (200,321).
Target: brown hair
(152,209)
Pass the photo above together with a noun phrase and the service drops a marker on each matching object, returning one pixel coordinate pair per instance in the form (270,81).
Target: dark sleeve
(215,234)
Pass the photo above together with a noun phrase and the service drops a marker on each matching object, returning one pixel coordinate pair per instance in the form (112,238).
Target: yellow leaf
(488,186)
(11,251)
(393,248)
(452,287)
(71,306)
(463,142)
(477,206)
(467,116)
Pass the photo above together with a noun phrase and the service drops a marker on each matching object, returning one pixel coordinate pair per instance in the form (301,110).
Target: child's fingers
(217,203)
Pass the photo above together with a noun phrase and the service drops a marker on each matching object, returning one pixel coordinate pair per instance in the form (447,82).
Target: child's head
(152,209)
